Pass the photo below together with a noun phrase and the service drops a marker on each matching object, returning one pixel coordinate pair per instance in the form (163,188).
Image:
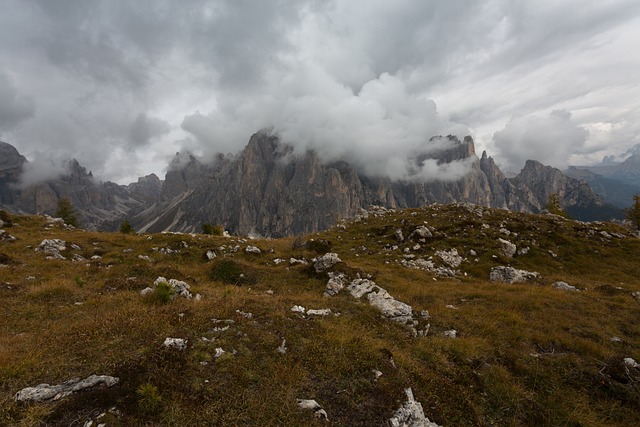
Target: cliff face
(266,190)
(269,190)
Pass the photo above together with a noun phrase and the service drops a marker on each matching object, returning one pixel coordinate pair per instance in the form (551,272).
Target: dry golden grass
(527,354)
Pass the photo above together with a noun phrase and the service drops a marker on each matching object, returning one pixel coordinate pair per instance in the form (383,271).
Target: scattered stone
(293,261)
(95,257)
(335,284)
(252,250)
(450,257)
(410,414)
(319,312)
(452,333)
(507,248)
(52,247)
(144,258)
(278,261)
(451,307)
(636,295)
(376,374)
(616,339)
(473,253)
(422,232)
(175,343)
(398,235)
(282,348)
(44,392)
(210,255)
(325,262)
(524,251)
(245,314)
(505,231)
(631,363)
(298,309)
(180,288)
(78,258)
(511,275)
(219,352)
(312,405)
(564,286)
(6,237)
(605,234)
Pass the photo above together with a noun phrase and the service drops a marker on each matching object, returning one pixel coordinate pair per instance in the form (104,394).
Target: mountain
(11,164)
(627,171)
(267,189)
(617,193)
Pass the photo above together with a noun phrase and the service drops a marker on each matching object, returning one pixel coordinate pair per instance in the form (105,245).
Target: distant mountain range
(268,190)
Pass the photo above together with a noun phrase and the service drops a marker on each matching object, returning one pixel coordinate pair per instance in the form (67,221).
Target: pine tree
(125,227)
(633,213)
(554,206)
(67,212)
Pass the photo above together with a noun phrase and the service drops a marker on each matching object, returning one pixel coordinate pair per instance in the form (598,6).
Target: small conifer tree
(125,227)
(67,212)
(632,213)
(554,206)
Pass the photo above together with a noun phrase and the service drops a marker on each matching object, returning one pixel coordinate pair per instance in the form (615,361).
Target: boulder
(180,288)
(564,286)
(410,414)
(45,392)
(422,232)
(312,405)
(507,248)
(450,257)
(334,285)
(52,247)
(175,343)
(511,275)
(252,250)
(325,262)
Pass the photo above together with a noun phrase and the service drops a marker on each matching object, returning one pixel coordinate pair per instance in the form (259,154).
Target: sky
(123,85)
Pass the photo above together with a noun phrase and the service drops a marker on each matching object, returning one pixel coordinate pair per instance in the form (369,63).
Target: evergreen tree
(67,212)
(554,206)
(125,227)
(633,213)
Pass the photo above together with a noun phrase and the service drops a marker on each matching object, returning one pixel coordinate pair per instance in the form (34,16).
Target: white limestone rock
(410,414)
(335,284)
(312,405)
(421,232)
(507,248)
(512,275)
(175,343)
(45,392)
(252,250)
(325,262)
(450,257)
(564,286)
(179,287)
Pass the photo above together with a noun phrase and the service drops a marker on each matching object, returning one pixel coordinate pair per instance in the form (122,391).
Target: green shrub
(67,212)
(162,294)
(149,399)
(213,230)
(125,227)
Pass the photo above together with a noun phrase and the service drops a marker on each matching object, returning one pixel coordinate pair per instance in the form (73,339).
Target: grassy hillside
(525,353)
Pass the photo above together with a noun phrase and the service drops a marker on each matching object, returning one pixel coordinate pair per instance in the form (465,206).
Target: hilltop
(558,348)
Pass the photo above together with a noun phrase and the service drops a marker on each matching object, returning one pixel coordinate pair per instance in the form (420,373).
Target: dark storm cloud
(123,85)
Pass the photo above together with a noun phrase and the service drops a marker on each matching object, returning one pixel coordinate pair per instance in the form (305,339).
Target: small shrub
(67,213)
(79,281)
(212,230)
(149,399)
(163,294)
(229,271)
(6,219)
(320,246)
(125,227)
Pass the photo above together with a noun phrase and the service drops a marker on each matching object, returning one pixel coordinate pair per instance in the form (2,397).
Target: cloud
(42,167)
(550,140)
(144,128)
(14,107)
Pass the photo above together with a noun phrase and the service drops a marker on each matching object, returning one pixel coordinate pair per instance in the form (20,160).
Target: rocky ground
(445,315)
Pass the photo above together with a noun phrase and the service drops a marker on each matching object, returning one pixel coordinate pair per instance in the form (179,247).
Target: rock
(398,235)
(6,237)
(410,414)
(325,262)
(252,250)
(511,275)
(450,333)
(636,295)
(44,392)
(146,291)
(450,257)
(524,251)
(245,314)
(282,348)
(179,288)
(319,312)
(473,253)
(293,261)
(52,247)
(278,261)
(312,405)
(376,374)
(334,285)
(210,255)
(422,232)
(564,286)
(631,363)
(175,343)
(219,352)
(144,258)
(507,248)
(298,309)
